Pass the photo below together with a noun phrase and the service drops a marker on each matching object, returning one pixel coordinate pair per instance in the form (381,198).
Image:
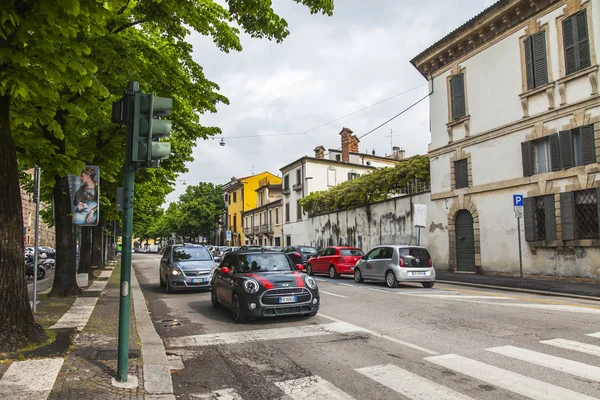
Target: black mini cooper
(263,284)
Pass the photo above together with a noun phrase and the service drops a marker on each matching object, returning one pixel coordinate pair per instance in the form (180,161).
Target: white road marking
(410,385)
(382,336)
(575,368)
(105,274)
(573,345)
(346,284)
(212,339)
(30,380)
(78,315)
(97,286)
(505,379)
(597,334)
(312,387)
(549,307)
(458,296)
(223,394)
(333,294)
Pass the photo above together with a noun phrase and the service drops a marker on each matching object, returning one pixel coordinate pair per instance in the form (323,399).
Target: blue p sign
(518,200)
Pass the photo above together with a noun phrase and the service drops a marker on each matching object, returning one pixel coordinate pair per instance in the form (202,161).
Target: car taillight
(297,255)
(430,262)
(401,262)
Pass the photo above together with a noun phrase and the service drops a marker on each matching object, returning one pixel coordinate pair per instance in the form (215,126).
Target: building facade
(515,109)
(46,233)
(312,174)
(262,224)
(240,195)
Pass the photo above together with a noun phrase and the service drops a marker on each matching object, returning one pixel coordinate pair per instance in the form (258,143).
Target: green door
(465,242)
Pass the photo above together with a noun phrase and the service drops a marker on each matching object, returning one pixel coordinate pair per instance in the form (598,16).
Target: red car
(334,261)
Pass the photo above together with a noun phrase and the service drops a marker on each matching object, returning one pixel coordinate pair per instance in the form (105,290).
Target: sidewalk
(546,286)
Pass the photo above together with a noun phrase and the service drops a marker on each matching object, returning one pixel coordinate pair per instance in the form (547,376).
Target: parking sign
(518,200)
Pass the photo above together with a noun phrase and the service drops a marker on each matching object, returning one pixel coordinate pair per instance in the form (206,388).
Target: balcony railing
(247,231)
(297,187)
(285,191)
(255,229)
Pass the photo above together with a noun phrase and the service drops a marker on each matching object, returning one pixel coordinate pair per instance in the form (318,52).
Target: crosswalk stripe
(333,294)
(261,334)
(78,315)
(312,387)
(410,385)
(575,368)
(597,334)
(573,345)
(505,379)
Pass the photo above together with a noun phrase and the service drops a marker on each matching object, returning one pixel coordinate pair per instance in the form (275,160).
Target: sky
(327,68)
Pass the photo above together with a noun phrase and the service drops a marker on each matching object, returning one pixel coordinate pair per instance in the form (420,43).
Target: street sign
(420,215)
(519,206)
(518,200)
(228,234)
(518,212)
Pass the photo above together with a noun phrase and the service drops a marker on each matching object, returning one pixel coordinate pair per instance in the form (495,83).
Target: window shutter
(566,149)
(457,87)
(527,153)
(539,57)
(529,219)
(554,152)
(461,174)
(550,211)
(569,45)
(588,144)
(583,42)
(529,63)
(567,215)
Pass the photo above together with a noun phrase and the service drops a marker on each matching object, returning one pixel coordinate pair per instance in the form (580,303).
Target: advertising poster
(85,195)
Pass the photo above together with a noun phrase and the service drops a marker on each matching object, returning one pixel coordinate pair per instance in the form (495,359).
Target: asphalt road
(370,342)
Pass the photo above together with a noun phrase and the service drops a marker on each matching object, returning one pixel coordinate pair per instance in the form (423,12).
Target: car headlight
(176,272)
(251,286)
(310,282)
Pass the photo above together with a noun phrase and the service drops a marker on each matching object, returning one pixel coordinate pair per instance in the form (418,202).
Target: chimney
(320,152)
(354,141)
(346,140)
(397,153)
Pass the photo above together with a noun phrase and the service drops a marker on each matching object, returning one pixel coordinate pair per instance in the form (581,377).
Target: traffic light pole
(125,298)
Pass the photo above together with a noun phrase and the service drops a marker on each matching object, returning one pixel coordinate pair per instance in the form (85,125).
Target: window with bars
(540,218)
(586,214)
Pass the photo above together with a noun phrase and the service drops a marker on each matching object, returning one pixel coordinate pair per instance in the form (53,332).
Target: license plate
(287,299)
(199,280)
(418,273)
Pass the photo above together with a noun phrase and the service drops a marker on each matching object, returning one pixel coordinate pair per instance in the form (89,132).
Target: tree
(201,209)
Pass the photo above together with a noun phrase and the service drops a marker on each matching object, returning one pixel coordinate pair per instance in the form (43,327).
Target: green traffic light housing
(148,127)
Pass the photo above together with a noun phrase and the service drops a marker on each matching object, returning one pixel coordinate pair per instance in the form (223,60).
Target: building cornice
(263,207)
(492,22)
(291,166)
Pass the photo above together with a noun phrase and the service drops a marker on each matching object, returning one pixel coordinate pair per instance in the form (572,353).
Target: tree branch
(122,28)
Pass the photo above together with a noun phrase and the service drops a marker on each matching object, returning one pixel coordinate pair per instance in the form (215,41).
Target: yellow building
(240,196)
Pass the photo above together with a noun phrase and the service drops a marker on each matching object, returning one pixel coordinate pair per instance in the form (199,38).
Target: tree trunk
(18,327)
(97,243)
(85,250)
(65,280)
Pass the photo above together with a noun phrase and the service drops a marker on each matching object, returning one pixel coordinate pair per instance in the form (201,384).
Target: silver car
(395,264)
(188,266)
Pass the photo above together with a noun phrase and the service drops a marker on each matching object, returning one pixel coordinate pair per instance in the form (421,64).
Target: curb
(513,289)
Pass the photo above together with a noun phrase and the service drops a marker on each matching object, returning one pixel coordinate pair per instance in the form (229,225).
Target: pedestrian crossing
(420,384)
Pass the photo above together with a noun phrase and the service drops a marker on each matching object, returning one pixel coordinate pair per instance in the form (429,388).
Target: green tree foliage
(369,188)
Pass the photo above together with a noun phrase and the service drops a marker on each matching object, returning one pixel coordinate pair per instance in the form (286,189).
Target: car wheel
(213,297)
(333,273)
(390,279)
(162,281)
(239,313)
(427,284)
(41,273)
(309,270)
(358,276)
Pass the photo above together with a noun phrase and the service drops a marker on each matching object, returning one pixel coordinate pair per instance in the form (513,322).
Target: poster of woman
(85,194)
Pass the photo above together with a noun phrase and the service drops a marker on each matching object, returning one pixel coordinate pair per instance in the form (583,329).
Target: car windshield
(307,250)
(265,262)
(351,252)
(191,254)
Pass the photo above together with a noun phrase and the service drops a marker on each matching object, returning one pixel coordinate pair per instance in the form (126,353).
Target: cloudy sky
(327,68)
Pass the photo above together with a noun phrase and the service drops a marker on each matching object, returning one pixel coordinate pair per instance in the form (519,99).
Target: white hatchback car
(395,264)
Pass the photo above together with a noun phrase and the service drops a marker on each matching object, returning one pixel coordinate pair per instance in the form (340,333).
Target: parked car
(273,248)
(186,266)
(395,264)
(256,284)
(248,247)
(334,261)
(300,254)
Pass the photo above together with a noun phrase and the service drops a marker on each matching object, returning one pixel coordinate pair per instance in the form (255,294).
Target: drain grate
(112,354)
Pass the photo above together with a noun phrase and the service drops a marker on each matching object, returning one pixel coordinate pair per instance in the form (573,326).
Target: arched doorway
(465,242)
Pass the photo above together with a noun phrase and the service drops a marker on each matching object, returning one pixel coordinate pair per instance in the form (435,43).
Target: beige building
(263,224)
(46,234)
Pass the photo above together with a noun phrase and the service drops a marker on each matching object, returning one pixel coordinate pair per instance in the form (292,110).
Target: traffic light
(148,128)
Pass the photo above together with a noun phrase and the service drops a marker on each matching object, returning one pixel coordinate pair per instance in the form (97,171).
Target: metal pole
(520,251)
(36,194)
(419,236)
(125,299)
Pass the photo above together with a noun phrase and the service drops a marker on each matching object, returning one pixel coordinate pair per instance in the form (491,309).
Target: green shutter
(571,61)
(527,154)
(540,69)
(529,219)
(529,63)
(588,144)
(554,152)
(457,87)
(461,174)
(566,149)
(550,211)
(583,41)
(567,215)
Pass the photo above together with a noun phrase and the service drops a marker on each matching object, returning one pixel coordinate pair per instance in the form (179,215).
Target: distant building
(263,224)
(46,233)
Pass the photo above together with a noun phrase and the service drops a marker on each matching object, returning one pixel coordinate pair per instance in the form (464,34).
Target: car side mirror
(225,271)
(363,257)
(300,267)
